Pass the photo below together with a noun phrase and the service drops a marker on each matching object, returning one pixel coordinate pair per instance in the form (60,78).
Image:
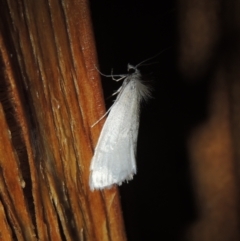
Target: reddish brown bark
(51,95)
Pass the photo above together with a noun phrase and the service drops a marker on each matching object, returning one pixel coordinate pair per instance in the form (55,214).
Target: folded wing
(114,158)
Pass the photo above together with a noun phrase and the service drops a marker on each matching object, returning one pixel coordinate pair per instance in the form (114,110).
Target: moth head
(132,69)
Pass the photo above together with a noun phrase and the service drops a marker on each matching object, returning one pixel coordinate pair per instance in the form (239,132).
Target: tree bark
(50,96)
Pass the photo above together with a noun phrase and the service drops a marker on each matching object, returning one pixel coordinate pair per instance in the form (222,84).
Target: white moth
(114,160)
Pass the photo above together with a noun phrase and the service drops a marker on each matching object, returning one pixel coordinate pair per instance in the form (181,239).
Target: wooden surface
(50,96)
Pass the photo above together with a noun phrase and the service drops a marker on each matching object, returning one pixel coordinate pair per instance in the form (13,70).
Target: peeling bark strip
(50,95)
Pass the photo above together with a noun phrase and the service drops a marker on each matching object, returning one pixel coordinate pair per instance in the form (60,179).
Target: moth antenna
(152,57)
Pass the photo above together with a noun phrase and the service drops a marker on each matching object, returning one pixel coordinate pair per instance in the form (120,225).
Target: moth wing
(114,158)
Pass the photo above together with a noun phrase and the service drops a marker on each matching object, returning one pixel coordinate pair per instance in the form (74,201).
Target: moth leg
(121,76)
(117,91)
(110,75)
(101,118)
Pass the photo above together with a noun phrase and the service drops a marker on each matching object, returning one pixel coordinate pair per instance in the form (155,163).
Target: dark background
(158,204)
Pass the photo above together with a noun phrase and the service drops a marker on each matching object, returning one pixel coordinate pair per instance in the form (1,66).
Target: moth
(114,159)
